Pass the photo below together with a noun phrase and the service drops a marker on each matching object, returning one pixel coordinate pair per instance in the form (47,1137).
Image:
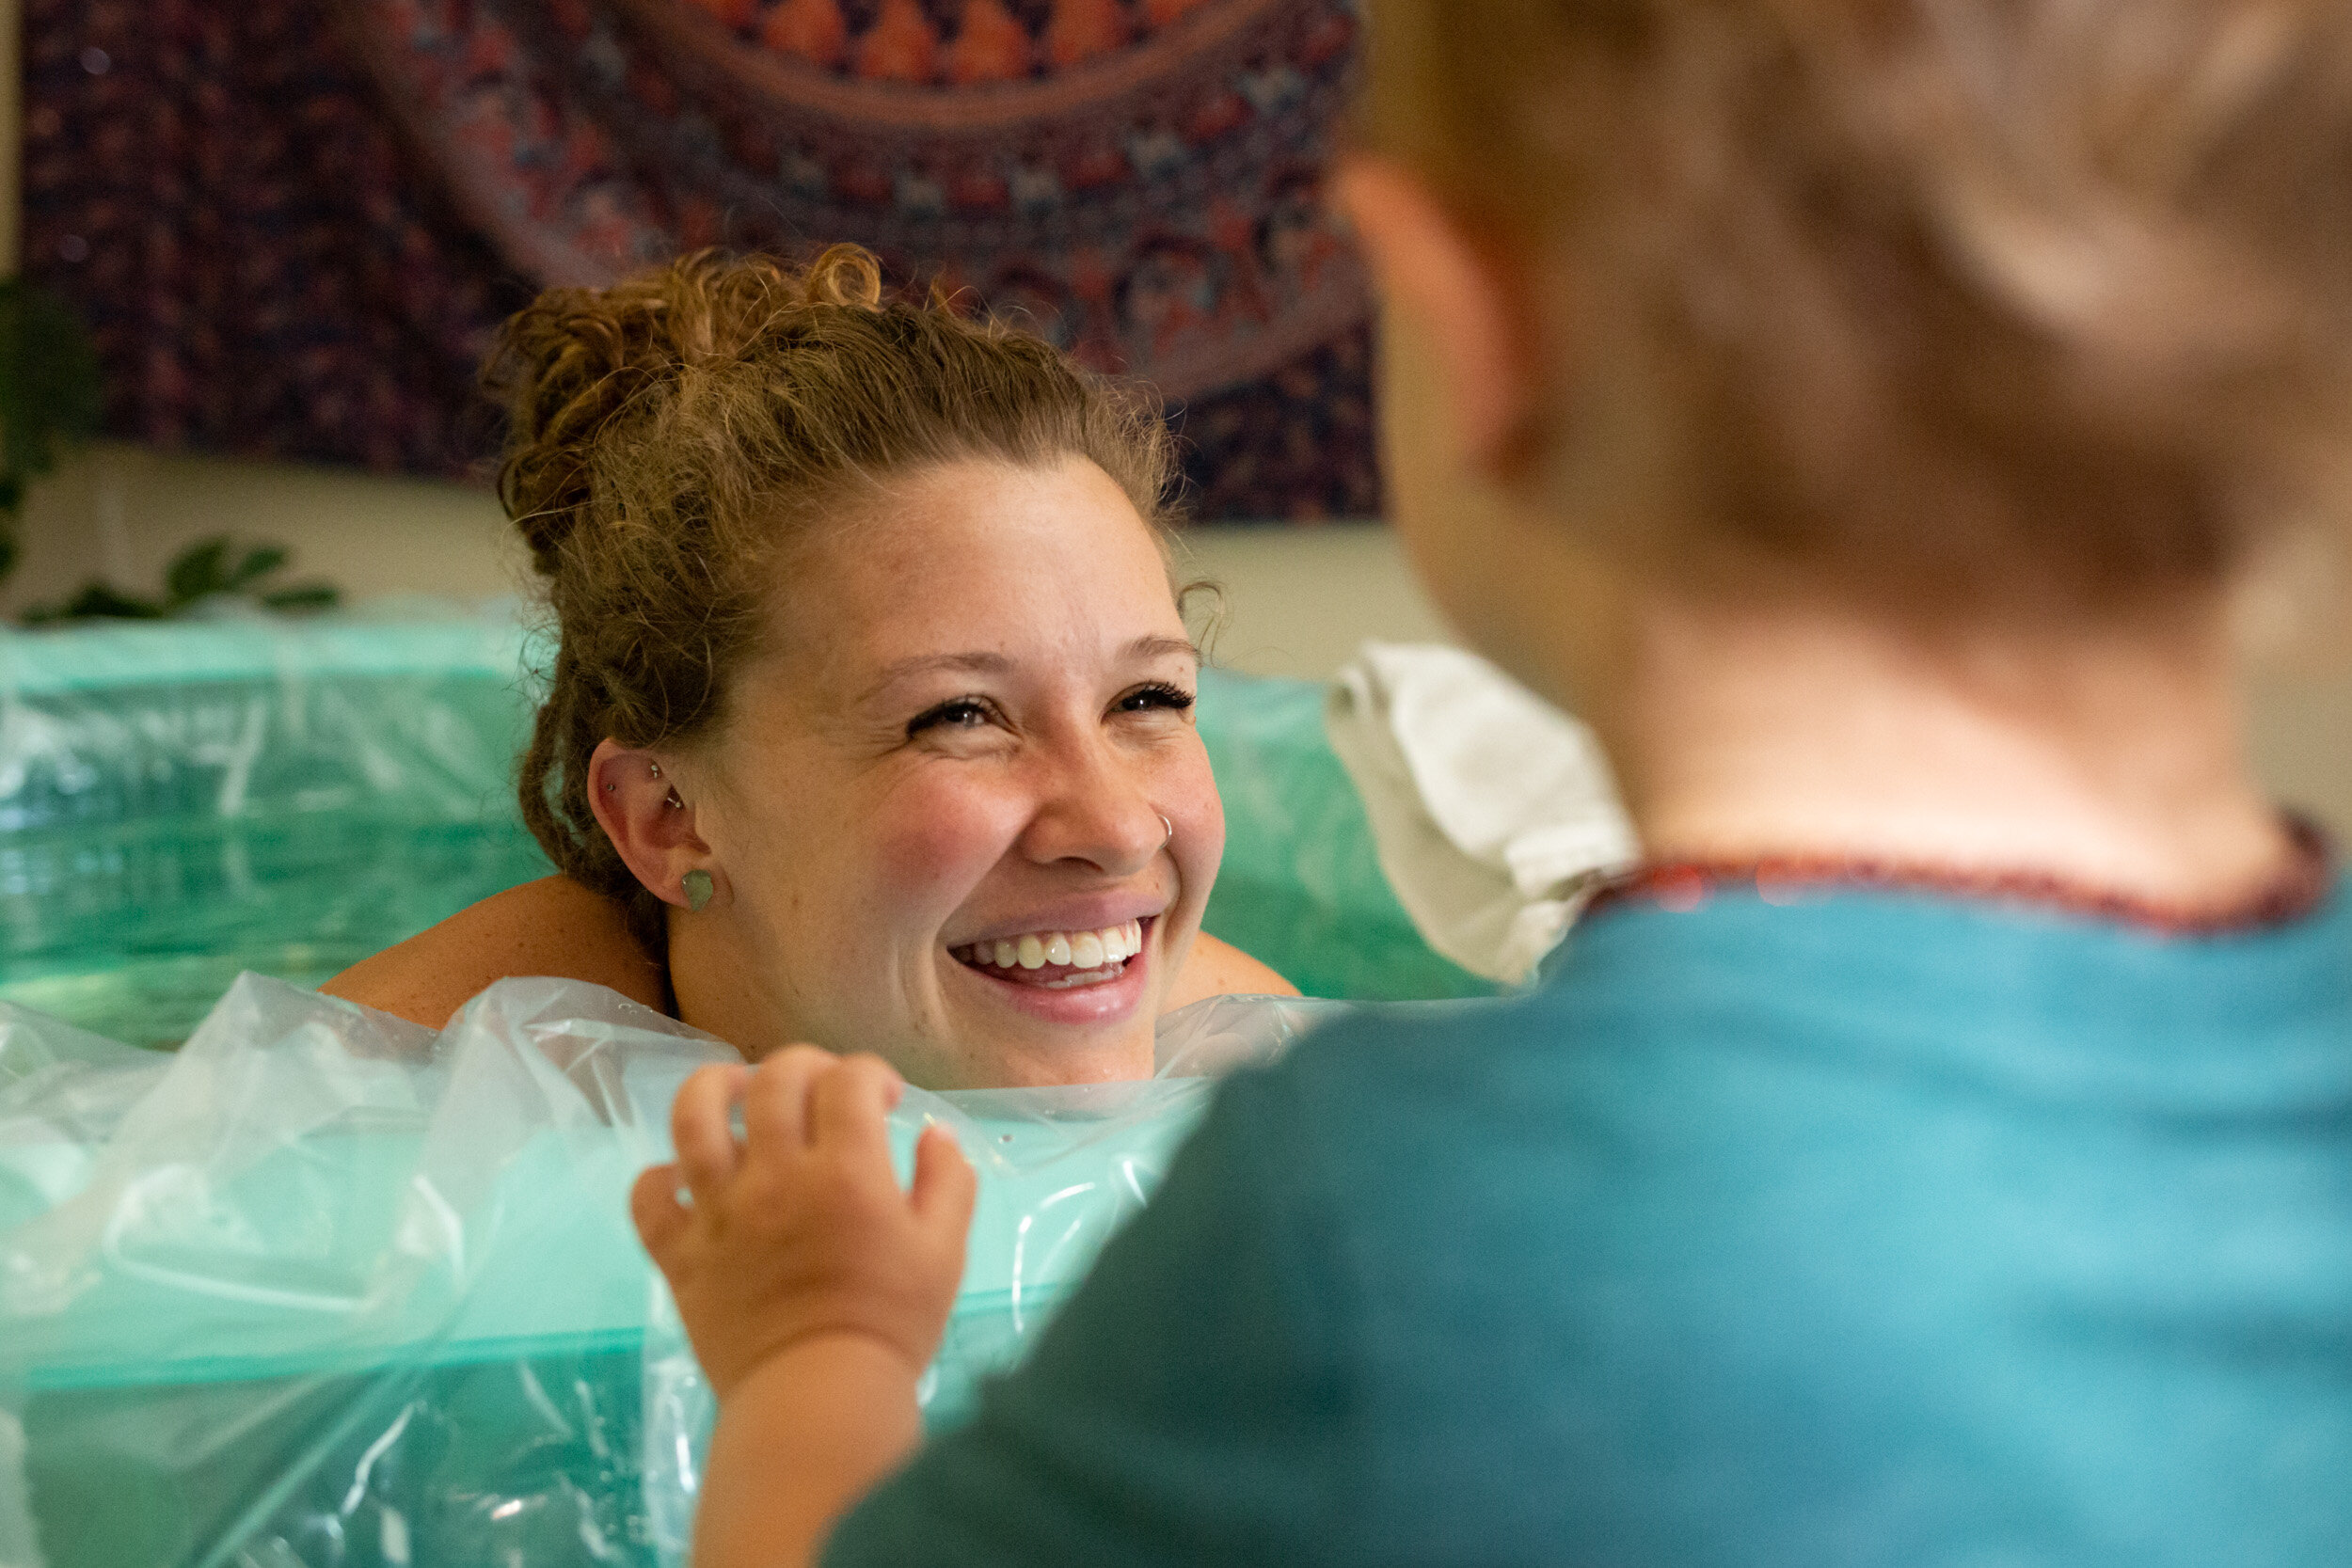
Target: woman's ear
(1463,301)
(638,804)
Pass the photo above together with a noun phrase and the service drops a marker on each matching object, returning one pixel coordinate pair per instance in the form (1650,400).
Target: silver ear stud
(653,769)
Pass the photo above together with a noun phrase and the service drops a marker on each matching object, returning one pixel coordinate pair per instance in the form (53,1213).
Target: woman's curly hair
(667,435)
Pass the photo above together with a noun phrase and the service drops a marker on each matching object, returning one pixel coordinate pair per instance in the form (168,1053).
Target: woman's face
(960,784)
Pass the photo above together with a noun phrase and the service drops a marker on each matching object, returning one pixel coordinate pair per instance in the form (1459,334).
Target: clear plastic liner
(62,1093)
(327,1289)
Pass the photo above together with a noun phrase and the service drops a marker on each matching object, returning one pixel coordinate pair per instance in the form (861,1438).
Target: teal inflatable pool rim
(108,656)
(183,801)
(47,1378)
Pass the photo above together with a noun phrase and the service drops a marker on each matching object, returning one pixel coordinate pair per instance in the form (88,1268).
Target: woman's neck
(717,984)
(2111,759)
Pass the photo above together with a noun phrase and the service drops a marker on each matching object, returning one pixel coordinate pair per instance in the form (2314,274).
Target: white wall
(121,512)
(1298,600)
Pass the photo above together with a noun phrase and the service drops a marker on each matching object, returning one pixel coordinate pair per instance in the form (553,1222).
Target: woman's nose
(1098,810)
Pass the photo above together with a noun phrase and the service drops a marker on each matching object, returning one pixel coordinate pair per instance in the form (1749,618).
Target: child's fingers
(653,1204)
(776,1107)
(945,1185)
(849,1108)
(700,1128)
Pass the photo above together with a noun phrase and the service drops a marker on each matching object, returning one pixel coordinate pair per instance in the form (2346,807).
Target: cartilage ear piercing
(1172,830)
(697,884)
(674,800)
(653,769)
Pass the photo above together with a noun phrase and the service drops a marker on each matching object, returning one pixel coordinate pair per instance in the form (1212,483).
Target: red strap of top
(1684,885)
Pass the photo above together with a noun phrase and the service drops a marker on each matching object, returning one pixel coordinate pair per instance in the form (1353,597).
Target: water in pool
(134,930)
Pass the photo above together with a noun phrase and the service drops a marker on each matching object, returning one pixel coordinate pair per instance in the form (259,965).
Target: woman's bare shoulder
(1217,967)
(550,926)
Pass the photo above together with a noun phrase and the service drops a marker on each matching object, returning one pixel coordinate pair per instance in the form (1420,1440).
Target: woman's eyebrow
(1155,647)
(997,664)
(923,664)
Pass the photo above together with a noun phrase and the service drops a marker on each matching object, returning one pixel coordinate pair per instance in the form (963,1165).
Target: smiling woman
(871,723)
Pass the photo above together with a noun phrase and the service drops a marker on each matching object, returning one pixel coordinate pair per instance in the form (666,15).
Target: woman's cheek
(1198,816)
(936,842)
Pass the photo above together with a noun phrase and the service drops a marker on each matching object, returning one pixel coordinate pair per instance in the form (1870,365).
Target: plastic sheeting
(326,1290)
(181,801)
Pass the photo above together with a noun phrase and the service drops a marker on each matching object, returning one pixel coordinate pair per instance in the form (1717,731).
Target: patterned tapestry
(294,224)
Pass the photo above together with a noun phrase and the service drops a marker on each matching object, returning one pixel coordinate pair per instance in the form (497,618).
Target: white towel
(1493,813)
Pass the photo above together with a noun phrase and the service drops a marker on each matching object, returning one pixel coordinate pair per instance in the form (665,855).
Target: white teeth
(1085,951)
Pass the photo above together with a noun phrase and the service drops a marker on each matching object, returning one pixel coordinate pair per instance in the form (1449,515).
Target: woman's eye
(964,713)
(1155,696)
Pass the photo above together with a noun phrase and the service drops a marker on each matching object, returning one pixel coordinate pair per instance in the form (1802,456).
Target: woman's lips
(1056,959)
(1069,993)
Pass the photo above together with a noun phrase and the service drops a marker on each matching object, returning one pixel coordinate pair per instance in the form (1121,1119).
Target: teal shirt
(1887,1230)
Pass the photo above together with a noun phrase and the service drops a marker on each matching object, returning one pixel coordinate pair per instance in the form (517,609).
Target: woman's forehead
(983,560)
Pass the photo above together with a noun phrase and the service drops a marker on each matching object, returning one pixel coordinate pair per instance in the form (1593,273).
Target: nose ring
(1172,830)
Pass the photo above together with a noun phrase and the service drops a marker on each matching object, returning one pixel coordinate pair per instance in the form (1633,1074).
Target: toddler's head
(2035,305)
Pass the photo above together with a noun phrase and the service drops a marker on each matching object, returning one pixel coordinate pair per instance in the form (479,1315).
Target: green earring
(697,885)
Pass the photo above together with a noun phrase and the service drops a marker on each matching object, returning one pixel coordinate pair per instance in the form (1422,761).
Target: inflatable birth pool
(320,1287)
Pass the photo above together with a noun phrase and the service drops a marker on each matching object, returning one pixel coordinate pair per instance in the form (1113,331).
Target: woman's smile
(1087,976)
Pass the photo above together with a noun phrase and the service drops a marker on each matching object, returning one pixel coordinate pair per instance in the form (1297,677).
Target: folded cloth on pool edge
(325,1276)
(1493,813)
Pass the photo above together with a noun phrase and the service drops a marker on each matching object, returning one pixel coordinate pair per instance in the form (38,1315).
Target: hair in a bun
(667,434)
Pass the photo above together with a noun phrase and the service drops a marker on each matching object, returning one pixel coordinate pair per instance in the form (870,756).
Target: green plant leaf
(202,571)
(97,602)
(51,387)
(197,572)
(259,561)
(308,596)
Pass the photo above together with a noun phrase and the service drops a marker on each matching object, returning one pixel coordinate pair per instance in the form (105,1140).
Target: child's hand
(802,1229)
